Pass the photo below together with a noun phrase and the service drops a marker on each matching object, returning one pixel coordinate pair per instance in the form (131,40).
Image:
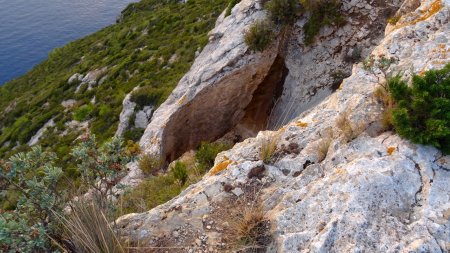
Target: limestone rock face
(337,182)
(35,138)
(317,69)
(210,99)
(128,107)
(90,79)
(143,117)
(218,92)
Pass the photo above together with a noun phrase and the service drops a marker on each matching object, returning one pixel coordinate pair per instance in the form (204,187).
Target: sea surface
(30,29)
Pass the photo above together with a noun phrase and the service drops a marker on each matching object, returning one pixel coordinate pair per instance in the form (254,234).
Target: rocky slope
(338,182)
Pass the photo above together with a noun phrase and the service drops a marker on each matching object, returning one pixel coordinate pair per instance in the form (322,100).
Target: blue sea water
(30,29)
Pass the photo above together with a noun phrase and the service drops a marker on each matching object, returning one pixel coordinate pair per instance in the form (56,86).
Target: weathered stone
(127,111)
(143,117)
(35,138)
(355,196)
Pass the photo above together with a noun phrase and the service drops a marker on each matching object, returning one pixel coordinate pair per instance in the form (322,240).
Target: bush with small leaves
(422,111)
(148,95)
(207,153)
(29,226)
(323,12)
(259,36)
(84,112)
(283,11)
(150,164)
(34,223)
(101,167)
(180,172)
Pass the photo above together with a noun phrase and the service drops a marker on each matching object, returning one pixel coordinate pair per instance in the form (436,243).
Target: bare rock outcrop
(316,70)
(128,108)
(210,99)
(229,88)
(338,182)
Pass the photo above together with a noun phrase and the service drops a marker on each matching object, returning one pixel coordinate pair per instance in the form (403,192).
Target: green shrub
(422,112)
(283,11)
(323,12)
(394,19)
(207,153)
(134,134)
(149,193)
(259,36)
(25,229)
(41,196)
(150,164)
(100,166)
(230,7)
(84,112)
(148,95)
(180,172)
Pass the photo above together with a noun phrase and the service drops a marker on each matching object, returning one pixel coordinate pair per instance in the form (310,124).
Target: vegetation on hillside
(158,189)
(39,192)
(152,46)
(284,12)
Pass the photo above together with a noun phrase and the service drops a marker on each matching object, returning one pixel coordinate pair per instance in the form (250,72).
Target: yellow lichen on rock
(434,8)
(430,11)
(220,167)
(301,124)
(390,150)
(181,100)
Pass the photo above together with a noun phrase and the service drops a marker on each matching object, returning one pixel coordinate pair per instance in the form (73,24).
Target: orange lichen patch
(220,167)
(390,150)
(433,9)
(301,124)
(281,130)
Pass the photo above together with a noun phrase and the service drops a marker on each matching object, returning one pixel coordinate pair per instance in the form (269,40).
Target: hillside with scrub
(235,126)
(152,45)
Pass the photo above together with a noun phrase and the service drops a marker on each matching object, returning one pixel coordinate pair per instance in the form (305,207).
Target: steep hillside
(82,84)
(329,105)
(336,178)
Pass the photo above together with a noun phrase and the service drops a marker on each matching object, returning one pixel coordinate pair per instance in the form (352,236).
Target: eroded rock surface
(211,98)
(316,70)
(128,108)
(338,182)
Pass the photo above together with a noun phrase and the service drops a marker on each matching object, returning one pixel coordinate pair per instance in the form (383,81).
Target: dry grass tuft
(348,131)
(251,230)
(344,124)
(268,148)
(89,230)
(322,148)
(383,96)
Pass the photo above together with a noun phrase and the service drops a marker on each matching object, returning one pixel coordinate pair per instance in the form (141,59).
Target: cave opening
(258,112)
(235,109)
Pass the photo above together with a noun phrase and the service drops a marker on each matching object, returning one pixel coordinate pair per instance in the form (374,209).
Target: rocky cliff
(337,181)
